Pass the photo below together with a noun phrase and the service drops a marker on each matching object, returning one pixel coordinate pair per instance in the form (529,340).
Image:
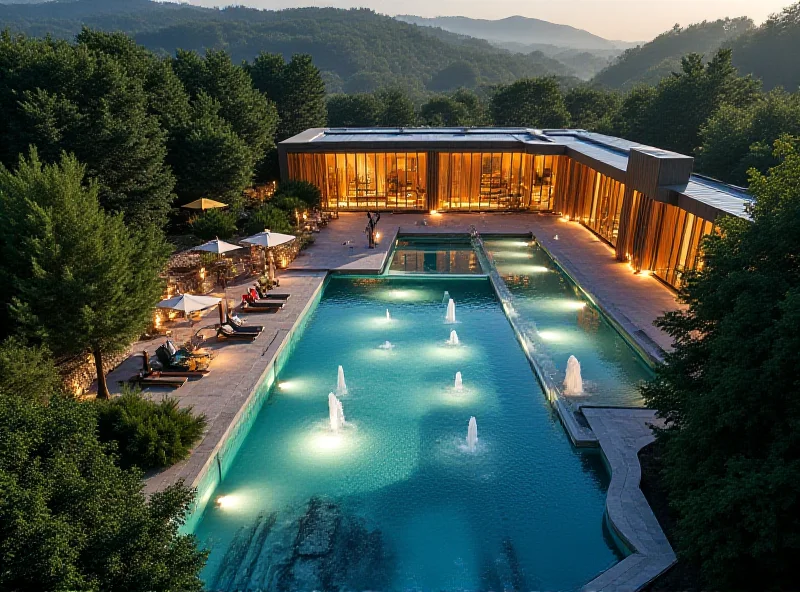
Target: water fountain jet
(335,412)
(459,385)
(341,385)
(386,345)
(450,318)
(472,434)
(388,316)
(573,383)
(453,338)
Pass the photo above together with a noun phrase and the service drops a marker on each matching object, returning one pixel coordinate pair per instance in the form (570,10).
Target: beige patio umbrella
(187,303)
(268,240)
(216,246)
(204,204)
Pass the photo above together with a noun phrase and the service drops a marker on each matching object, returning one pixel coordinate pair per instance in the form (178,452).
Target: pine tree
(296,88)
(61,97)
(80,280)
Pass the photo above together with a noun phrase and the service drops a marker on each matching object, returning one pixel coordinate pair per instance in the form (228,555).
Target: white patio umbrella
(188,303)
(216,246)
(268,239)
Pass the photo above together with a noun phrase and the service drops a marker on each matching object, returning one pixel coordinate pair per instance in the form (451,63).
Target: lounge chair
(178,373)
(179,353)
(184,363)
(238,325)
(261,303)
(173,381)
(227,332)
(247,309)
(267,295)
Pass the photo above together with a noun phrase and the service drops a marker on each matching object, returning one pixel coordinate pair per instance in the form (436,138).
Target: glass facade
(679,237)
(595,200)
(471,181)
(652,236)
(360,181)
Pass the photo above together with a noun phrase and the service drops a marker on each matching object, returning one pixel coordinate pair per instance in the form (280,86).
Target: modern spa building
(644,201)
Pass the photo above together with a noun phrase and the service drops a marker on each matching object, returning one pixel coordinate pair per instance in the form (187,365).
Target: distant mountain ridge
(650,62)
(519,29)
(358,50)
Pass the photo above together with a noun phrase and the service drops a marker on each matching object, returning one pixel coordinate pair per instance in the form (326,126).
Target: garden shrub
(213,224)
(148,435)
(268,217)
(306,192)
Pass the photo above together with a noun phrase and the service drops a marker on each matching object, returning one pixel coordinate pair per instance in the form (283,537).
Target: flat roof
(606,154)
(424,134)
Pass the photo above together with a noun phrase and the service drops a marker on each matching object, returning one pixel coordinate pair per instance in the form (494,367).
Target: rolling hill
(518,29)
(650,62)
(358,50)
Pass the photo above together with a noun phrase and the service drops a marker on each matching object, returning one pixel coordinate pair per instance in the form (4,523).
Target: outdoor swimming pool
(569,326)
(395,500)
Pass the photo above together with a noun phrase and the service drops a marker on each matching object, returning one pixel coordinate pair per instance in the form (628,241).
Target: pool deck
(631,301)
(622,433)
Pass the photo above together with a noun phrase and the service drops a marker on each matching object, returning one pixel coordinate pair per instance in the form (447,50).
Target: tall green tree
(736,139)
(71,519)
(397,110)
(209,158)
(476,107)
(589,108)
(80,280)
(728,392)
(62,97)
(442,111)
(676,109)
(250,114)
(360,110)
(530,102)
(296,88)
(167,99)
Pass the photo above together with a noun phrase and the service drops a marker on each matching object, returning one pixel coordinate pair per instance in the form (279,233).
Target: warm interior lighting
(157,321)
(202,273)
(435,213)
(564,218)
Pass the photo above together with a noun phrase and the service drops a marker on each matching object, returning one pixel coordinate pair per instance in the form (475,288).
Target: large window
(360,181)
(594,199)
(678,250)
(494,181)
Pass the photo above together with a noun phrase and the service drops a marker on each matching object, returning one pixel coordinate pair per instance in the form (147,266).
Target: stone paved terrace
(622,433)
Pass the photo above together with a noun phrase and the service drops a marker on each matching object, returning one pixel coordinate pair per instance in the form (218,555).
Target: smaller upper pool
(434,255)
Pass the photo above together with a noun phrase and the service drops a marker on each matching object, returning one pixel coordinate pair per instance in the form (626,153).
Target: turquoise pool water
(395,501)
(612,371)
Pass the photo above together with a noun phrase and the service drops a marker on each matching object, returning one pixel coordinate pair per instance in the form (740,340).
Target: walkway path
(622,433)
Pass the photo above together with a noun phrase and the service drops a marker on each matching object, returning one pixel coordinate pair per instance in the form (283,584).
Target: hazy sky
(629,20)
